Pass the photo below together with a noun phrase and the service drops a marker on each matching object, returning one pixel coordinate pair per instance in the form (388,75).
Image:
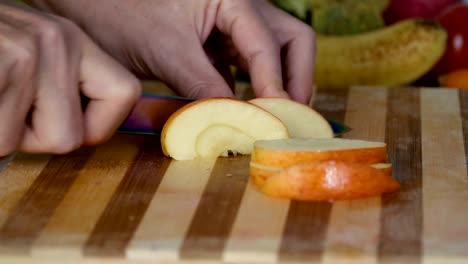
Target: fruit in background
(394,55)
(455,21)
(403,9)
(337,17)
(455,79)
(298,8)
(347,17)
(214,127)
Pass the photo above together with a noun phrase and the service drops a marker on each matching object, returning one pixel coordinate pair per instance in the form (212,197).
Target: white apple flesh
(212,127)
(301,120)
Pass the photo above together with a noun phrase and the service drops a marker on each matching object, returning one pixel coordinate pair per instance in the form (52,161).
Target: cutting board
(124,202)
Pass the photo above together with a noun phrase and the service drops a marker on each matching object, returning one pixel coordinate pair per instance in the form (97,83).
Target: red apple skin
(404,9)
(455,21)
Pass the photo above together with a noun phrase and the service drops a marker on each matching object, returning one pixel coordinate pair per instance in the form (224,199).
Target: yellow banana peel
(391,56)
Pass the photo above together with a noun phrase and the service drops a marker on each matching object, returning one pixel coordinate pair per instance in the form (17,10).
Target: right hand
(46,63)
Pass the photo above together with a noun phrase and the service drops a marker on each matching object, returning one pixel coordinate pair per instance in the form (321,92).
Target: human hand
(190,44)
(46,63)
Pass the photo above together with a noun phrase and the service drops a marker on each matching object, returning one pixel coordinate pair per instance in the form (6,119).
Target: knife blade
(152,111)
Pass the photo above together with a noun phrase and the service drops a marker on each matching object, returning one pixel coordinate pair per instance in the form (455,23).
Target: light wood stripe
(307,222)
(127,206)
(445,178)
(217,209)
(16,178)
(353,231)
(256,234)
(39,202)
(401,218)
(163,228)
(74,219)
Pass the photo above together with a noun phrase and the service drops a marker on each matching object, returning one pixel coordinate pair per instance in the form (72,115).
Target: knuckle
(63,145)
(196,89)
(203,89)
(97,138)
(132,88)
(7,147)
(25,52)
(129,91)
(50,33)
(306,32)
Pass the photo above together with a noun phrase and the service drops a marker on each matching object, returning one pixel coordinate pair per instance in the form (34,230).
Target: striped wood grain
(353,231)
(69,228)
(401,217)
(123,202)
(445,194)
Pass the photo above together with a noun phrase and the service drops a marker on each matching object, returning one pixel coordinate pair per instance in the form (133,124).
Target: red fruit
(403,9)
(455,21)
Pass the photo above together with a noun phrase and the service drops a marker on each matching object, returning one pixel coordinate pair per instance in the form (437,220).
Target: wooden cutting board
(124,202)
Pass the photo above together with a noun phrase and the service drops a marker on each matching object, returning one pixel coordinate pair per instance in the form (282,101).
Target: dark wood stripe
(306,225)
(217,210)
(38,204)
(332,103)
(4,161)
(464,115)
(305,231)
(128,205)
(401,216)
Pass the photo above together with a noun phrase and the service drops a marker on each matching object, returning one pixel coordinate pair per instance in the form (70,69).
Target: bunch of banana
(354,47)
(394,55)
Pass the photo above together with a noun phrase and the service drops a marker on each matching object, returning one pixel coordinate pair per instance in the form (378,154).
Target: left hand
(190,44)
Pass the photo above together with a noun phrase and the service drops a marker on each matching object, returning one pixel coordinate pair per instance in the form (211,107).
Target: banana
(391,56)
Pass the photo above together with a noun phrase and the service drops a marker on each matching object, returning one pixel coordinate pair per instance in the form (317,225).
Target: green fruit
(394,55)
(346,20)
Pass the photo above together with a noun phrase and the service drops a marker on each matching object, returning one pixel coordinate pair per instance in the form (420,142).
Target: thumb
(193,75)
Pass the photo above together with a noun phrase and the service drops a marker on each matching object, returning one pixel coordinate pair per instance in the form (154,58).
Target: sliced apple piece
(302,121)
(216,126)
(260,173)
(329,180)
(220,140)
(286,152)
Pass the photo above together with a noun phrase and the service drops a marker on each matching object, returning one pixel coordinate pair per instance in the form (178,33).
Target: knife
(151,112)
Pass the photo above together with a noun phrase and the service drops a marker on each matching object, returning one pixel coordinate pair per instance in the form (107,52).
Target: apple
(286,152)
(404,9)
(330,180)
(214,127)
(301,120)
(455,21)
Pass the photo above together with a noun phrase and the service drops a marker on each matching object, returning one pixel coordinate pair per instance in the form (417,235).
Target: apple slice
(329,181)
(260,173)
(301,120)
(286,152)
(212,127)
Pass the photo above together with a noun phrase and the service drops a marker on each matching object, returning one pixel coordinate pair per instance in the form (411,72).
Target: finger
(17,75)
(112,91)
(256,44)
(225,71)
(298,47)
(56,119)
(299,66)
(193,75)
